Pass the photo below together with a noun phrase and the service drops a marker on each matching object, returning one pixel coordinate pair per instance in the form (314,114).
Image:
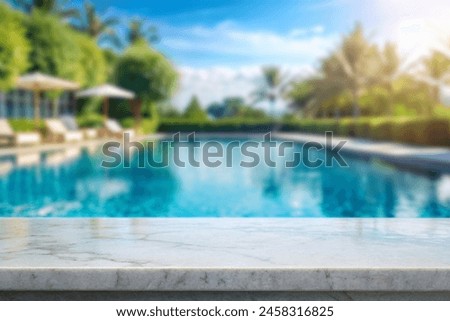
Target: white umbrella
(106,91)
(38,82)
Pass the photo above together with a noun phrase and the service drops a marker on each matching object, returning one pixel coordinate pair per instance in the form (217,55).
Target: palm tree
(96,27)
(300,94)
(357,65)
(391,67)
(271,88)
(138,29)
(55,7)
(436,72)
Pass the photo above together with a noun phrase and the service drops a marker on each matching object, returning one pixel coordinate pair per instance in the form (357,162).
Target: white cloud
(212,84)
(239,55)
(230,41)
(301,32)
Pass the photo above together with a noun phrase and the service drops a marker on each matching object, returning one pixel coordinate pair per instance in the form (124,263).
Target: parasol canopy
(38,82)
(106,91)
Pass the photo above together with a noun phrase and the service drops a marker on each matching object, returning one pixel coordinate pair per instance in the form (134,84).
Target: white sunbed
(58,132)
(113,128)
(71,124)
(17,139)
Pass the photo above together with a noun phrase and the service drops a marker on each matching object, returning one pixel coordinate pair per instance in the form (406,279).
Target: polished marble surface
(225,254)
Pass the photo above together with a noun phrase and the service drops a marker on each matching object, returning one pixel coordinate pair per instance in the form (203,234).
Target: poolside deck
(416,157)
(47,147)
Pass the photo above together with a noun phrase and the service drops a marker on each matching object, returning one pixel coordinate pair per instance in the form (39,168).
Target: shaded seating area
(59,128)
(37,83)
(10,138)
(111,126)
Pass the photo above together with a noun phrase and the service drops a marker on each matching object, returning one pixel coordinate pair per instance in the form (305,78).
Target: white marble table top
(225,254)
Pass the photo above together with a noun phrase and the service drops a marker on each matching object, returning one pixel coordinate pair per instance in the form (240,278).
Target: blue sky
(220,46)
(211,33)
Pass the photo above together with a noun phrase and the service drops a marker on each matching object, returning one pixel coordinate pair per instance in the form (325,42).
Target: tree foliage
(54,7)
(234,107)
(195,111)
(360,78)
(58,50)
(13,49)
(146,72)
(54,50)
(437,72)
(272,86)
(101,29)
(92,61)
(139,30)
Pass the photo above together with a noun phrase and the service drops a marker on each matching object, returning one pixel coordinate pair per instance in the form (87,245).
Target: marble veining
(225,254)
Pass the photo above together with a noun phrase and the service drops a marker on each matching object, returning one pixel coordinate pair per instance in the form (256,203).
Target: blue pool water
(71,183)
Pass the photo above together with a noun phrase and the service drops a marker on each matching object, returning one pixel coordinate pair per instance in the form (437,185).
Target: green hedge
(90,121)
(223,125)
(147,126)
(413,130)
(381,129)
(26,125)
(317,126)
(346,127)
(424,131)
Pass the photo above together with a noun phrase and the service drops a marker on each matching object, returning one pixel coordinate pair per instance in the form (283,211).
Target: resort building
(18,103)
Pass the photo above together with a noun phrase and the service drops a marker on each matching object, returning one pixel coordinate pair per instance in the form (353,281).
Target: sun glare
(417,26)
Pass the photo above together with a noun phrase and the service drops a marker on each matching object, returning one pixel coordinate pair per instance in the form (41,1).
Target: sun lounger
(17,139)
(71,124)
(113,128)
(57,132)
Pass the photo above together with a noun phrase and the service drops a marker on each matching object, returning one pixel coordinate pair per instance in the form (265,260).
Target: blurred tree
(378,100)
(414,95)
(111,58)
(139,30)
(356,66)
(271,88)
(349,71)
(54,7)
(327,89)
(92,62)
(436,72)
(249,112)
(300,95)
(54,50)
(14,47)
(194,110)
(391,68)
(168,111)
(234,107)
(96,27)
(216,110)
(147,73)
(58,50)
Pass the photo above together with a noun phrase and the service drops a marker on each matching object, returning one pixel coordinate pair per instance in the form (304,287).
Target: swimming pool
(72,183)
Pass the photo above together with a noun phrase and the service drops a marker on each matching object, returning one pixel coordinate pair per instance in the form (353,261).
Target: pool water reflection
(71,183)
